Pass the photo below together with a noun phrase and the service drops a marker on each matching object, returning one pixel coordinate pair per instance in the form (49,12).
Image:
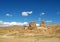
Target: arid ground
(22,34)
(30,39)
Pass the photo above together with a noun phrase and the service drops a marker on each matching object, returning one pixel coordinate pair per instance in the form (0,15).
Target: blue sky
(30,10)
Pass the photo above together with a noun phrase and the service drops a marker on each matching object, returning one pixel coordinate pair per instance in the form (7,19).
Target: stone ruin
(42,24)
(32,25)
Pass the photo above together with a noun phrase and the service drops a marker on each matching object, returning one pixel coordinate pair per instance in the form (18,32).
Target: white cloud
(19,23)
(13,23)
(3,24)
(26,13)
(26,24)
(8,14)
(43,13)
(37,24)
(49,21)
(7,23)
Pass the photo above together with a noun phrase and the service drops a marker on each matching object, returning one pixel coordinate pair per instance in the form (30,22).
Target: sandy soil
(30,39)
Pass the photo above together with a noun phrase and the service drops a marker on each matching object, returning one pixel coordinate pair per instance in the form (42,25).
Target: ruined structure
(32,30)
(42,24)
(32,25)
